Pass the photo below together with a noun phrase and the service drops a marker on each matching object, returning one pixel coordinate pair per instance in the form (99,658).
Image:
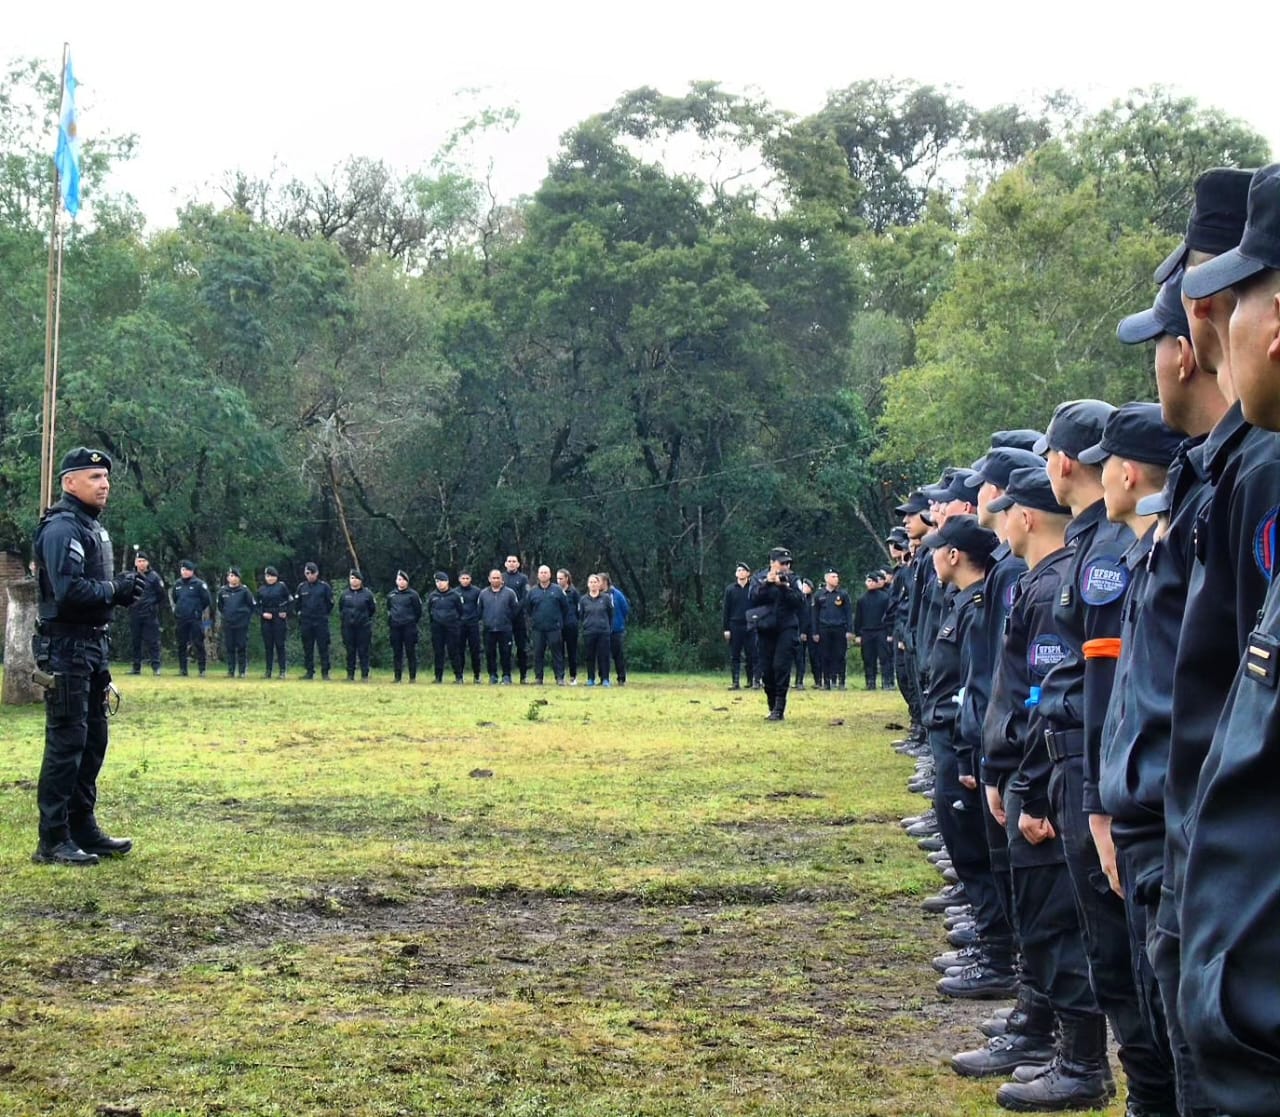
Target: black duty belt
(76,631)
(1064,744)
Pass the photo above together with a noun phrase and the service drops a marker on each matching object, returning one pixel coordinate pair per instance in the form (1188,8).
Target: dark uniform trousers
(497,646)
(471,644)
(1106,940)
(1054,964)
(548,639)
(777,654)
(144,630)
(315,635)
(275,633)
(235,639)
(596,655)
(742,645)
(960,822)
(75,735)
(446,642)
(569,647)
(903,662)
(404,646)
(355,638)
(835,654)
(190,635)
(876,660)
(1141,866)
(520,637)
(618,654)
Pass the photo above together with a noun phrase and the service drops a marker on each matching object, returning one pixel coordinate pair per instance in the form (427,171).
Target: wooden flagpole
(53,312)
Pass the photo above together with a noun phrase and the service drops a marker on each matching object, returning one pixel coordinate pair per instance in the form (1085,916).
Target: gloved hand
(128,588)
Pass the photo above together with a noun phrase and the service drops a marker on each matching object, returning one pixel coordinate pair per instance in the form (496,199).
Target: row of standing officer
(1111,741)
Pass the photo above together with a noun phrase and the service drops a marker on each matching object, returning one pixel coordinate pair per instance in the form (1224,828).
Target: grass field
(367,899)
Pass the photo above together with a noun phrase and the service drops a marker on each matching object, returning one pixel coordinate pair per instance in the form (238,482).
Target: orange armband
(1105,647)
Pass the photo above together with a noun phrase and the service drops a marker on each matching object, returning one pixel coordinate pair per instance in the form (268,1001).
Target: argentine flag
(67,157)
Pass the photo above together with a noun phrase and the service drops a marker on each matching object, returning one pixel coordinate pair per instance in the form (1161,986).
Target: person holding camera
(776,604)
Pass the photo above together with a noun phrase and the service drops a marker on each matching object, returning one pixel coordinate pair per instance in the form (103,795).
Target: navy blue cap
(1030,488)
(958,488)
(356,575)
(234,570)
(311,568)
(780,554)
(272,571)
(897,537)
(1259,247)
(739,566)
(186,564)
(916,503)
(1021,439)
(1076,425)
(438,576)
(82,457)
(1137,433)
(964,533)
(1165,316)
(1000,462)
(1217,217)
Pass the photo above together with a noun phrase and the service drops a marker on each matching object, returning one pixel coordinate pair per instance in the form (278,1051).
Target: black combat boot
(990,976)
(65,852)
(1028,1040)
(88,835)
(1076,1077)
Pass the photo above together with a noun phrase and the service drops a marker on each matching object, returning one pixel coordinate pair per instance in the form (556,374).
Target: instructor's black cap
(1030,488)
(1076,425)
(964,533)
(84,458)
(1217,218)
(1137,433)
(1165,316)
(186,564)
(439,575)
(1259,247)
(779,554)
(1000,462)
(353,573)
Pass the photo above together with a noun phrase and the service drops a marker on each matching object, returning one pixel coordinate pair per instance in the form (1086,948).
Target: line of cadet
(536,620)
(1088,639)
(829,621)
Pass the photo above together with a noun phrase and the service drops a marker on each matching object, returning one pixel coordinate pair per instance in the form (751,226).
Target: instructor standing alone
(77,593)
(776,604)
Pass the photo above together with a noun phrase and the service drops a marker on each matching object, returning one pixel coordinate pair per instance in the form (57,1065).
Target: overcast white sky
(209,88)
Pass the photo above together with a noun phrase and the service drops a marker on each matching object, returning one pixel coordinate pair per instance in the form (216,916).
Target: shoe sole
(1018,1105)
(996,993)
(38,859)
(994,1071)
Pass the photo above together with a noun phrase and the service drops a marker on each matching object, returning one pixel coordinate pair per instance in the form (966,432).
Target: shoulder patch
(1103,581)
(1011,595)
(978,598)
(75,547)
(1264,543)
(1064,598)
(1045,652)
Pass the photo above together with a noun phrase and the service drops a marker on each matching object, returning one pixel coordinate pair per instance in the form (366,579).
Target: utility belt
(1064,744)
(74,631)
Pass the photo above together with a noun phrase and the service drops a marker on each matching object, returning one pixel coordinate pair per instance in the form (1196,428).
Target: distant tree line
(715,326)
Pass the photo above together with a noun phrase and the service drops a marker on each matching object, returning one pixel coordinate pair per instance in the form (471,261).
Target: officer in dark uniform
(869,630)
(899,591)
(733,622)
(470,596)
(1135,739)
(518,583)
(1073,703)
(404,615)
(777,603)
(356,608)
(144,616)
(315,604)
(273,604)
(960,549)
(1230,899)
(806,650)
(1055,989)
(445,611)
(191,601)
(547,610)
(236,606)
(833,614)
(77,591)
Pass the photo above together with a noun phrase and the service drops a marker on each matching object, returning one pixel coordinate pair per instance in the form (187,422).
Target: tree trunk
(20,689)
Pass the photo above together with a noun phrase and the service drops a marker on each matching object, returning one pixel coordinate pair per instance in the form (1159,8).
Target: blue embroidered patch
(1045,653)
(1103,581)
(1264,543)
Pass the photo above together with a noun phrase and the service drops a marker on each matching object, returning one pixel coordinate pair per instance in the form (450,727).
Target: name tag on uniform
(1260,656)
